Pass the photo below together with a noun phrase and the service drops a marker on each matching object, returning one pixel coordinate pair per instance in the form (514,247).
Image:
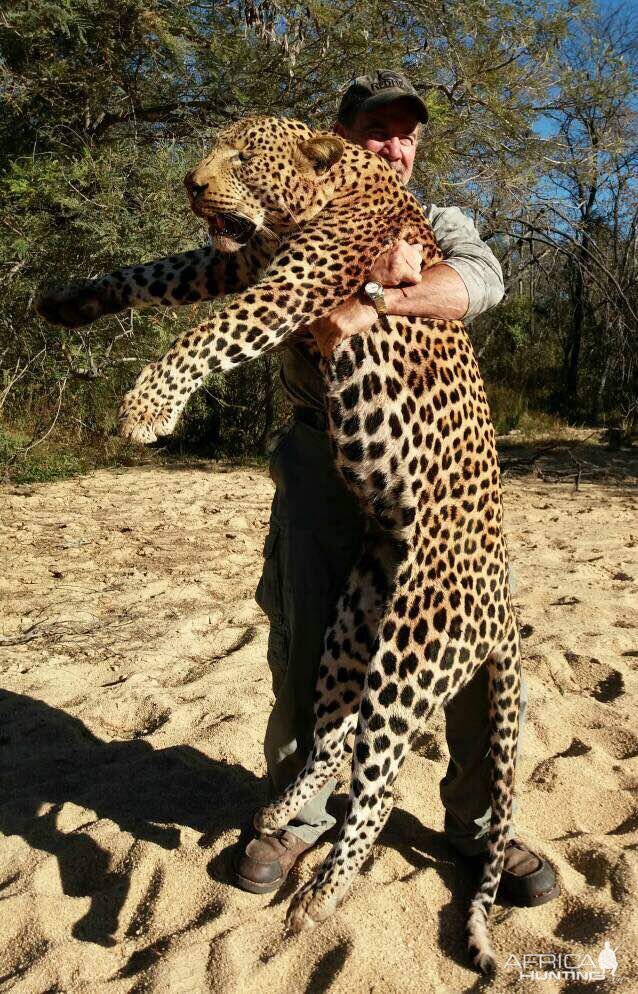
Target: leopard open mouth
(231,226)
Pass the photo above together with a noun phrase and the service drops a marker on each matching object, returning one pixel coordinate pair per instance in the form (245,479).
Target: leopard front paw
(75,305)
(148,412)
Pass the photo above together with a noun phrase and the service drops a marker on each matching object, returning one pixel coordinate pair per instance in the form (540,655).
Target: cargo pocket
(269,596)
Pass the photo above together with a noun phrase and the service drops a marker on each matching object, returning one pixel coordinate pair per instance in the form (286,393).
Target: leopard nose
(198,188)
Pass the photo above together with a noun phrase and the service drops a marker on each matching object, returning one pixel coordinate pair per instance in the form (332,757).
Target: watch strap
(374,293)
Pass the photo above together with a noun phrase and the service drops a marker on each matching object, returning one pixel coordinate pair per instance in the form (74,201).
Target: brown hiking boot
(528,879)
(267,860)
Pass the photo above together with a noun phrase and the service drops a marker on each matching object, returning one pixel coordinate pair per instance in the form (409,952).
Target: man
(316,527)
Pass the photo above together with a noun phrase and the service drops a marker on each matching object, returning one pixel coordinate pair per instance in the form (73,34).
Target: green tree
(106,104)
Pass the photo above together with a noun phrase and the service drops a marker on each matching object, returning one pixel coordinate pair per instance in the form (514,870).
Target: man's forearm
(440,294)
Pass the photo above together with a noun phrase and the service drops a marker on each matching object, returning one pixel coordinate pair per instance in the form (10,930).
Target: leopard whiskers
(297,224)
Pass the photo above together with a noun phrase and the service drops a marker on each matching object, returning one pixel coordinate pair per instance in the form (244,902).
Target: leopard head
(264,174)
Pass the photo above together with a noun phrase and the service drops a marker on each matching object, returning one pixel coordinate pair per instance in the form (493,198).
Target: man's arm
(468,255)
(466,284)
(442,293)
(437,292)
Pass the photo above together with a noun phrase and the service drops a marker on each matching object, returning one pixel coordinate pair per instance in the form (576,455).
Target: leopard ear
(321,153)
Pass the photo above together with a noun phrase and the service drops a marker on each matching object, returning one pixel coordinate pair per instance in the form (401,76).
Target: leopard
(296,219)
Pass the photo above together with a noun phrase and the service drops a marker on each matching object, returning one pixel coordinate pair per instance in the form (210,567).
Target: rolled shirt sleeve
(472,259)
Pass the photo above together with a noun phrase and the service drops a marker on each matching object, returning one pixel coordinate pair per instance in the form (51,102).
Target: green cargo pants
(316,532)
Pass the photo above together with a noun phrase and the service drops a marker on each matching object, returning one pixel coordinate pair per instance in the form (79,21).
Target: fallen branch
(548,475)
(62,630)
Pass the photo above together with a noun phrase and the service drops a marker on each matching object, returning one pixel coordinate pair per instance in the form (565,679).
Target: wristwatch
(374,292)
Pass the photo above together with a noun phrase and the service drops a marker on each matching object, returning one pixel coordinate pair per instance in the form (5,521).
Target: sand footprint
(585,921)
(620,743)
(327,969)
(602,682)
(149,956)
(545,773)
(132,712)
(145,908)
(593,866)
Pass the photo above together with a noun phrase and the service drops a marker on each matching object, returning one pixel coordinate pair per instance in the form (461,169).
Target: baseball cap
(375,89)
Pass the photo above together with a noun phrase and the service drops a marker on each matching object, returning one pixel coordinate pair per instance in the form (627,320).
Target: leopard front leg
(254,322)
(184,278)
(250,325)
(152,408)
(178,279)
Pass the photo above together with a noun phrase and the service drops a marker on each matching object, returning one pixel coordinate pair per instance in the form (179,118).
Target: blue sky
(629,9)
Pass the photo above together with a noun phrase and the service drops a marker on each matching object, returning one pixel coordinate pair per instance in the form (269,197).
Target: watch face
(372,288)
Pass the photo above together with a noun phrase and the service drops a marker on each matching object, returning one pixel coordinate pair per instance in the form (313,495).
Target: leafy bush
(507,407)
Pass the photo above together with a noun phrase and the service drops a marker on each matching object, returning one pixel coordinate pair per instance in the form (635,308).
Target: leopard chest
(410,427)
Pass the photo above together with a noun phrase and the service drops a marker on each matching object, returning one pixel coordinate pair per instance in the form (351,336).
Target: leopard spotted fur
(297,219)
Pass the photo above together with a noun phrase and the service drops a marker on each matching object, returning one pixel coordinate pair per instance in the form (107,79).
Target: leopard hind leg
(349,642)
(504,673)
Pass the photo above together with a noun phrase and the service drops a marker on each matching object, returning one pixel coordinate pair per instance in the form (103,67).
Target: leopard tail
(504,695)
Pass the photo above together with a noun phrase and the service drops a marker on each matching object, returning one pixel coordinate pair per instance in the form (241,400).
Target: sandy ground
(135,698)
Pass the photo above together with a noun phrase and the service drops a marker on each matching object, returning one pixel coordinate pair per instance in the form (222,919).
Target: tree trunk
(574,341)
(573,347)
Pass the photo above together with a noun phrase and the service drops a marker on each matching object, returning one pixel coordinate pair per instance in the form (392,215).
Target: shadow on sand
(49,758)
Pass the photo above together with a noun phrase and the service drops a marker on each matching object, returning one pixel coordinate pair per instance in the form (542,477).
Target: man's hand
(400,264)
(350,318)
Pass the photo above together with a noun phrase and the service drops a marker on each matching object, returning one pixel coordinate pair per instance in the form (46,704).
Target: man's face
(391,131)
